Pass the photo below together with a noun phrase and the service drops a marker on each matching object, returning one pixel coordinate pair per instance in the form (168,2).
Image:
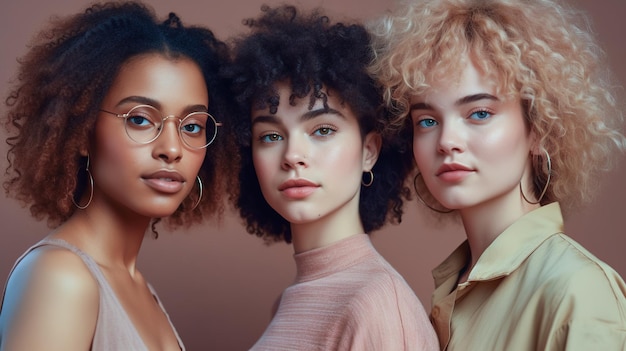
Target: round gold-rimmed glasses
(144,123)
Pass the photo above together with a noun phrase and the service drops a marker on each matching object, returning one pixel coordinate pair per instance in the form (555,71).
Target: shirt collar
(336,257)
(507,252)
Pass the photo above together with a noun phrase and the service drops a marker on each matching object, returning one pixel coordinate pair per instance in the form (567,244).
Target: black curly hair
(310,53)
(62,81)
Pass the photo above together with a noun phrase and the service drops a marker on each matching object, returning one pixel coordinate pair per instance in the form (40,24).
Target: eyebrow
(305,117)
(462,101)
(148,101)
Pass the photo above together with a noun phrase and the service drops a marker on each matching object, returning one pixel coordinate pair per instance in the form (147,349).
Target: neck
(112,238)
(485,222)
(335,226)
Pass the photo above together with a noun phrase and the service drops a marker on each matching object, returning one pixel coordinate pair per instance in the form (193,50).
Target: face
(310,162)
(148,179)
(471,145)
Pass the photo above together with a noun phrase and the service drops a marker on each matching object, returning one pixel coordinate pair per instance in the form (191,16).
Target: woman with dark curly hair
(111,124)
(313,173)
(513,117)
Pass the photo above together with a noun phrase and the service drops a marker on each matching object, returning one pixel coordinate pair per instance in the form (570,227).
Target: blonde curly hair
(538,51)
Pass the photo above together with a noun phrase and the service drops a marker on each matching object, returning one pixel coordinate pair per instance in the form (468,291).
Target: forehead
(283,101)
(464,77)
(159,78)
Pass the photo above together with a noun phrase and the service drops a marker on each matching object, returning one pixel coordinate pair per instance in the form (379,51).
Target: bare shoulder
(51,303)
(54,270)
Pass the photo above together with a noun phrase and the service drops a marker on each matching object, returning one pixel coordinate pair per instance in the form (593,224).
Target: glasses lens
(198,129)
(142,123)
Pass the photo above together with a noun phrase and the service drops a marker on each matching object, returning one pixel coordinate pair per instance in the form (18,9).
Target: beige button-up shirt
(533,288)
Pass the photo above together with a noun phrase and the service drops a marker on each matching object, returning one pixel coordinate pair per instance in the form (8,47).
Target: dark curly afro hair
(310,53)
(62,80)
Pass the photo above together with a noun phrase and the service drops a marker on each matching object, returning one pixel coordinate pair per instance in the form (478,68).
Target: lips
(297,188)
(453,172)
(165,181)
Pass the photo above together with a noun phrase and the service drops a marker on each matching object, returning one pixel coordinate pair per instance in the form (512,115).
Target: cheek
(112,147)
(196,158)
(339,155)
(263,164)
(113,169)
(345,159)
(116,155)
(422,152)
(504,143)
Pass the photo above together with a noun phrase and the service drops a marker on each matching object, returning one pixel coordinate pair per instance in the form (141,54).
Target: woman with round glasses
(109,125)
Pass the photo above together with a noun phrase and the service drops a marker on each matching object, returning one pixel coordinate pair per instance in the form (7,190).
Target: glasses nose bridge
(162,126)
(178,126)
(165,118)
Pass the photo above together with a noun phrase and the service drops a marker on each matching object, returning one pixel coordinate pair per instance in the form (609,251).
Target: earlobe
(371,150)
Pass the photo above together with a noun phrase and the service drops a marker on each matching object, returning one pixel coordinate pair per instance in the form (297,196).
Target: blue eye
(192,128)
(480,115)
(270,138)
(138,120)
(141,120)
(427,123)
(195,124)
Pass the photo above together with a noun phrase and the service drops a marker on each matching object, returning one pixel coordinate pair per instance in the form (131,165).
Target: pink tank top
(114,329)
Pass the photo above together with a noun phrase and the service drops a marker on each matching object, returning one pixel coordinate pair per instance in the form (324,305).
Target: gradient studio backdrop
(218,282)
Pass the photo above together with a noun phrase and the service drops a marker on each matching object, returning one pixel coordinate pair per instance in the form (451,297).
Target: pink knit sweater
(347,297)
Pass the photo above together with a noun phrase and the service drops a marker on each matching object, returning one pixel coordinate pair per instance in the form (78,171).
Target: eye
(138,119)
(142,118)
(194,124)
(270,138)
(324,131)
(480,115)
(426,123)
(192,128)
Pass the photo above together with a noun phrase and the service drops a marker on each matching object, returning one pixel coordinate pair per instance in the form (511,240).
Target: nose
(168,145)
(451,138)
(296,154)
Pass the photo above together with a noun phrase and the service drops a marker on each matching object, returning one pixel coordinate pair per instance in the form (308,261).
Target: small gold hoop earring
(371,181)
(90,186)
(419,197)
(200,193)
(545,187)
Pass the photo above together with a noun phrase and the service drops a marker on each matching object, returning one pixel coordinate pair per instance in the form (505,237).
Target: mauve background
(218,282)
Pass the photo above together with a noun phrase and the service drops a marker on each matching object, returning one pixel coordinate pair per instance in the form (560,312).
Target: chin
(299,218)
(159,211)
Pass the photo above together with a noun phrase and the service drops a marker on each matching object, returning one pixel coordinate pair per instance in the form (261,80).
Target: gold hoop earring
(91,187)
(200,193)
(545,187)
(419,197)
(371,181)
